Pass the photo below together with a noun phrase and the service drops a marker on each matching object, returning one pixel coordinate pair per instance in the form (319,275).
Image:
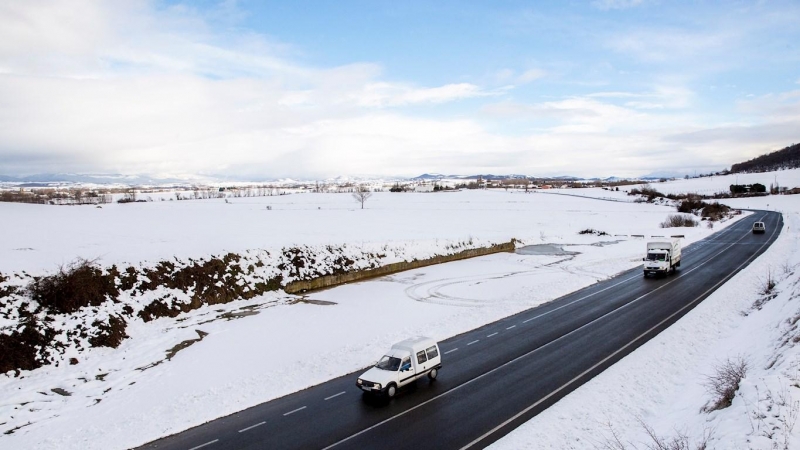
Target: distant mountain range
(57,179)
(488,176)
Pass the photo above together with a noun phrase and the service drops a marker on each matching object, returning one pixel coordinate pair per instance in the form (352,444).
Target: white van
(404,363)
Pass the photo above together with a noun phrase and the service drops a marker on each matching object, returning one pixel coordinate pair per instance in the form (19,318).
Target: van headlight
(360,381)
(377,385)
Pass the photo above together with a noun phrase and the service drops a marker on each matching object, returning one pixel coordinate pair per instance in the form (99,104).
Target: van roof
(414,343)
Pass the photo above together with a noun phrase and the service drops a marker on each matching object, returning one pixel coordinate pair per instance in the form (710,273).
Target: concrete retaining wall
(335,280)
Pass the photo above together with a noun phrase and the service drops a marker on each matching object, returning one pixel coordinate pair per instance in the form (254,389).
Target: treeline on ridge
(787,158)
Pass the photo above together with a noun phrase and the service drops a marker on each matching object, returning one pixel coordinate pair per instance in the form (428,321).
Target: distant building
(423,188)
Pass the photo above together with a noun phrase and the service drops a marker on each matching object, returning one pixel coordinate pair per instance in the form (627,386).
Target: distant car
(758,227)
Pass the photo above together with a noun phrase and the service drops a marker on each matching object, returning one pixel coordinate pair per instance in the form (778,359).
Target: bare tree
(361,193)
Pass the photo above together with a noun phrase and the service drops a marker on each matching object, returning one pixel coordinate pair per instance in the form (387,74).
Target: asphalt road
(496,377)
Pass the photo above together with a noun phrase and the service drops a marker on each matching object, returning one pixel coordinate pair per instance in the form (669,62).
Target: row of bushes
(689,204)
(679,220)
(182,287)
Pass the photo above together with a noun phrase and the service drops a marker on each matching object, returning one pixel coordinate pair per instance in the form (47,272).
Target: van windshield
(389,363)
(656,256)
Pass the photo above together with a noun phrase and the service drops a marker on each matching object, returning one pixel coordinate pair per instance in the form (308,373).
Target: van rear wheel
(433,374)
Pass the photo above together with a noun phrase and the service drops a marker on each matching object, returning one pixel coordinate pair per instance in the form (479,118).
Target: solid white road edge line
(537,349)
(543,399)
(251,427)
(335,395)
(207,443)
(294,411)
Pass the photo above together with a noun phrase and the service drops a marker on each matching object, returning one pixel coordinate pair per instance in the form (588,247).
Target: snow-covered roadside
(129,396)
(663,384)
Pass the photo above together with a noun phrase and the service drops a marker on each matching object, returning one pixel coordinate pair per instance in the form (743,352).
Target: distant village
(76,193)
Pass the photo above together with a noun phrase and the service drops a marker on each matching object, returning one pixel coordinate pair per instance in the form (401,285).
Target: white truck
(403,364)
(663,257)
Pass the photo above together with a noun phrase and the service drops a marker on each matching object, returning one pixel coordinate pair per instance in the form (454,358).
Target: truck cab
(404,363)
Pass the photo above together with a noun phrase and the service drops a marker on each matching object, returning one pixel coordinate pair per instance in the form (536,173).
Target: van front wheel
(391,391)
(433,374)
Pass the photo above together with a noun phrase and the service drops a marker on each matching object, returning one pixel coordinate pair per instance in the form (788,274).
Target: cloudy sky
(267,89)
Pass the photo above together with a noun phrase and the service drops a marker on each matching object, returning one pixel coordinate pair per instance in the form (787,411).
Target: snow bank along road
(498,376)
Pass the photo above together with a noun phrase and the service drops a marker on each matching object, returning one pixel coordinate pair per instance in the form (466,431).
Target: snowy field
(247,352)
(39,238)
(712,185)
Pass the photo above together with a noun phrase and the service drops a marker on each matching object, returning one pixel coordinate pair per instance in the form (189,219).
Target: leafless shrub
(646,191)
(765,287)
(774,416)
(679,220)
(593,231)
(723,384)
(787,268)
(80,284)
(766,284)
(715,211)
(679,441)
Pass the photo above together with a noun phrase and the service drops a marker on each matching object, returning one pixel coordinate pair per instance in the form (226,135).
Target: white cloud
(123,87)
(662,45)
(389,94)
(616,4)
(660,97)
(511,76)
(531,75)
(112,86)
(783,106)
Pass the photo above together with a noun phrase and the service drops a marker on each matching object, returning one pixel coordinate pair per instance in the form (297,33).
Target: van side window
(421,358)
(406,365)
(433,352)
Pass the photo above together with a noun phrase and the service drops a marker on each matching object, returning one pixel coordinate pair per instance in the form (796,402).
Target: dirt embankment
(85,305)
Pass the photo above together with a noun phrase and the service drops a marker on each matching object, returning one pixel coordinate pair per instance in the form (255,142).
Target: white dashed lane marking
(512,326)
(294,410)
(251,427)
(335,395)
(477,340)
(207,443)
(492,334)
(451,351)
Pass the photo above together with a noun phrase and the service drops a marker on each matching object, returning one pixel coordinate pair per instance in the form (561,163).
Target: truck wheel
(391,391)
(433,374)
